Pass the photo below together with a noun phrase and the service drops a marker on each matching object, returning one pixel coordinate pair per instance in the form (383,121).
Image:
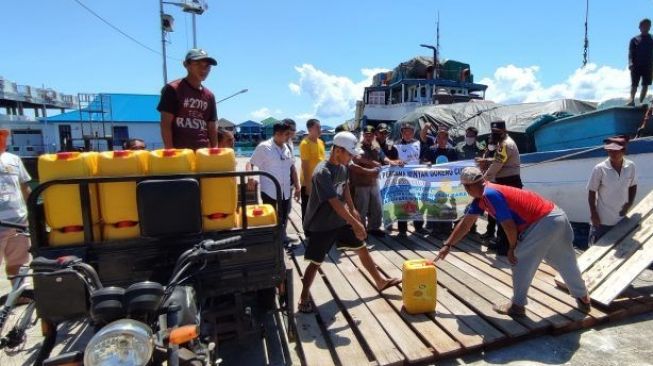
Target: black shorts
(320,242)
(637,73)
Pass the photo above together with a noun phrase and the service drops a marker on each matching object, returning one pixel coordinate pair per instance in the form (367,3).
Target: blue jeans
(597,232)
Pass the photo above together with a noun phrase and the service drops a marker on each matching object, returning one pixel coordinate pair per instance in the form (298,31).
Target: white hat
(347,141)
(471,175)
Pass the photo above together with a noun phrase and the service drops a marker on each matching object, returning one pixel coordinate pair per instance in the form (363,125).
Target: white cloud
(513,84)
(266,112)
(304,116)
(332,95)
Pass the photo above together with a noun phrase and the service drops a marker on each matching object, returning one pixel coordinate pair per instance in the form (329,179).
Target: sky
(312,58)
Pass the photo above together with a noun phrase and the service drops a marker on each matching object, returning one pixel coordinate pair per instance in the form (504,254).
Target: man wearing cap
(332,218)
(470,148)
(274,156)
(364,180)
(504,170)
(536,229)
(311,152)
(387,147)
(612,188)
(188,109)
(409,153)
(14,248)
(441,152)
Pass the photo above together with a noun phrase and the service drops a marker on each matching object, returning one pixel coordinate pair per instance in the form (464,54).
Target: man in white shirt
(14,248)
(612,188)
(409,153)
(274,156)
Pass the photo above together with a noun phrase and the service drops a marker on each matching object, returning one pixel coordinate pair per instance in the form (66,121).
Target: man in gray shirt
(332,218)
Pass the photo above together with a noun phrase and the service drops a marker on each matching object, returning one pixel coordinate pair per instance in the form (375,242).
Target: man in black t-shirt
(640,61)
(188,109)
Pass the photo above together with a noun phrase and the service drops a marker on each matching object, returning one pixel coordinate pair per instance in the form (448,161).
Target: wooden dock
(355,325)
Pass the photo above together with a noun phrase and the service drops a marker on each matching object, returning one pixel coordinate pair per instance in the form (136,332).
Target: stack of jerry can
(62,203)
(118,200)
(219,195)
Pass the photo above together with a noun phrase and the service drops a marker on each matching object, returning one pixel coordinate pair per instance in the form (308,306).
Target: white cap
(471,175)
(347,141)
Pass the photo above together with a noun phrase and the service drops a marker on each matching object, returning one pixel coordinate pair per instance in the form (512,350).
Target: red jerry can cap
(169,152)
(257,211)
(121,153)
(214,150)
(65,155)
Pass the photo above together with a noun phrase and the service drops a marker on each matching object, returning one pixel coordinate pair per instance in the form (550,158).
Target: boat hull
(562,176)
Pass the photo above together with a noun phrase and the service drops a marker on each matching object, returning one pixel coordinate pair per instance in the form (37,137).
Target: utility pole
(163,43)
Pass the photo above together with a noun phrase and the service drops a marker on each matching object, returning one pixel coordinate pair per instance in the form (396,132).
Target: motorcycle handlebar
(216,244)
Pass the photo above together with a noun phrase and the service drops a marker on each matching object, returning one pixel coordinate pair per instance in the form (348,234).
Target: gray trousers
(549,238)
(368,203)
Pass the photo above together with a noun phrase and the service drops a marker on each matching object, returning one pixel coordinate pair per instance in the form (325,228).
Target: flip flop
(390,283)
(306,307)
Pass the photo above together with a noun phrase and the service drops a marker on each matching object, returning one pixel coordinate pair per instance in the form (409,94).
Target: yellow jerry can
(419,286)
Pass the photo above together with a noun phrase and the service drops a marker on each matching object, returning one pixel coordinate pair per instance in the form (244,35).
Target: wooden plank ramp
(624,252)
(355,324)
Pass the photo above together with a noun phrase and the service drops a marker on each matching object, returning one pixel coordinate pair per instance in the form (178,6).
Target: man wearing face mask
(504,170)
(470,148)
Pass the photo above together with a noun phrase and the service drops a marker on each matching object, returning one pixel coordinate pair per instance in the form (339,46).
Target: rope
(587,42)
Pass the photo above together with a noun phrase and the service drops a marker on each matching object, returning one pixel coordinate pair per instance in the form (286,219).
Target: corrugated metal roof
(269,121)
(249,123)
(133,108)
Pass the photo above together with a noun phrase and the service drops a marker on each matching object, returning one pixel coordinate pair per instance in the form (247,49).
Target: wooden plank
(541,281)
(531,320)
(434,334)
(447,306)
(505,289)
(411,345)
(618,255)
(471,299)
(339,331)
(379,343)
(505,277)
(313,345)
(624,275)
(621,230)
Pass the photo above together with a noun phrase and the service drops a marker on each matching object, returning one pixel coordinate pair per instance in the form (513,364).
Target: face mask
(491,147)
(496,136)
(470,140)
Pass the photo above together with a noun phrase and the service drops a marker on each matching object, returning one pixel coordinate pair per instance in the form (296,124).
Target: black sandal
(306,307)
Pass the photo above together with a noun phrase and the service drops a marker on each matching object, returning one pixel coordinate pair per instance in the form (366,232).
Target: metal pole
(194,33)
(163,43)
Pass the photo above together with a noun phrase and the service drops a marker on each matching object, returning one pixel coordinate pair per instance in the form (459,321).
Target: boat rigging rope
(587,42)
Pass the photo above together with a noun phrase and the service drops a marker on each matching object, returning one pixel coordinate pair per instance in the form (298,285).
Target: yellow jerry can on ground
(118,200)
(419,286)
(62,203)
(171,161)
(219,195)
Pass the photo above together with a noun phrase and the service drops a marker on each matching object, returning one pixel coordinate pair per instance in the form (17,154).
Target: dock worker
(612,188)
(640,61)
(14,247)
(504,170)
(409,153)
(311,153)
(188,109)
(331,217)
(536,229)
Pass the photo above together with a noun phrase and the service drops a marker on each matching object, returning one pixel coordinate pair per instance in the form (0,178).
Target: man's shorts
(320,242)
(645,74)
(14,248)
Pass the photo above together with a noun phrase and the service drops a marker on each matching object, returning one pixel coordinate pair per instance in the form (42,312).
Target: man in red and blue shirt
(535,228)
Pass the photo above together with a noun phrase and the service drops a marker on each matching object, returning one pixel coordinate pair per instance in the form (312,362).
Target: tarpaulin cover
(479,114)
